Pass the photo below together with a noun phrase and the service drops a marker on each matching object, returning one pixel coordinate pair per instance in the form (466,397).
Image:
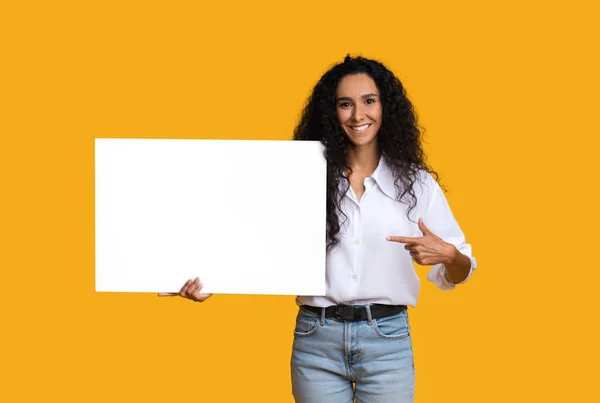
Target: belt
(357,312)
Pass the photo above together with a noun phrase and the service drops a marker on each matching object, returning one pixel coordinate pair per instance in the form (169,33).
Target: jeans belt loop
(369,314)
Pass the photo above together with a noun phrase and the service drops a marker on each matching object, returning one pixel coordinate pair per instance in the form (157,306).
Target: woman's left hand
(428,249)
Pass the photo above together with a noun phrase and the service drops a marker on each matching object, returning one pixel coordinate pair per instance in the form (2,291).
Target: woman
(384,211)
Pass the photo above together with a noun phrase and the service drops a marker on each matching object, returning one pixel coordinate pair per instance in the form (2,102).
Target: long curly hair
(399,137)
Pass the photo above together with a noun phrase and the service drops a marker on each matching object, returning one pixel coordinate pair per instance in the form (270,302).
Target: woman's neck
(363,160)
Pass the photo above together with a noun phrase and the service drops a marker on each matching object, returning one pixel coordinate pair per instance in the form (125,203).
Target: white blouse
(365,268)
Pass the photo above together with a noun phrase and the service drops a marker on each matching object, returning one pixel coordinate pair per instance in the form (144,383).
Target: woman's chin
(362,140)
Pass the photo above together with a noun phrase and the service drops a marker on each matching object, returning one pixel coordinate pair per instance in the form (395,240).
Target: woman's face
(359,108)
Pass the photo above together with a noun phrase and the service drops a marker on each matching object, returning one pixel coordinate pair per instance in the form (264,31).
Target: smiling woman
(355,343)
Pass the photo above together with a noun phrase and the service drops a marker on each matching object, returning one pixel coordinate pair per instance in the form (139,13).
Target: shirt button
(356,242)
(354,276)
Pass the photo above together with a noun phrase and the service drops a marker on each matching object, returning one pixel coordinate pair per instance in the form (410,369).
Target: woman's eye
(370,101)
(345,105)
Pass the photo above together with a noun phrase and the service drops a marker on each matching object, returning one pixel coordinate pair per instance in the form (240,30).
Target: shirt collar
(384,178)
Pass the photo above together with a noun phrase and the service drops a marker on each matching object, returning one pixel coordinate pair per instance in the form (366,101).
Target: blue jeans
(336,362)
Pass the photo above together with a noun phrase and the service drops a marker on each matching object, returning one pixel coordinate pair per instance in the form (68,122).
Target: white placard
(246,216)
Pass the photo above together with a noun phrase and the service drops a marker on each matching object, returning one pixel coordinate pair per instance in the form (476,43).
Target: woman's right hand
(190,290)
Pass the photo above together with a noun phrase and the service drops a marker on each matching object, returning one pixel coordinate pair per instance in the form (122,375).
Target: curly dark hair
(399,138)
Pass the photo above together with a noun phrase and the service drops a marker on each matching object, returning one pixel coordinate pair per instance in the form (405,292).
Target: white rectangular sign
(246,216)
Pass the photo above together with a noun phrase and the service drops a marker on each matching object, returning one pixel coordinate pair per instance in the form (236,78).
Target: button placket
(356,237)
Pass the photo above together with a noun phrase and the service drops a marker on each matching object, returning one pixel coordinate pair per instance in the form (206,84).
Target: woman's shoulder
(425,184)
(422,180)
(422,176)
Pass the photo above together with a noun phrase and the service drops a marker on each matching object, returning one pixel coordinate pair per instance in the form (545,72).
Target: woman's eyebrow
(371,95)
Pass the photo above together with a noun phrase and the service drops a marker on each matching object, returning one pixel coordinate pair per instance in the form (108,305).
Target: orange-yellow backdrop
(506,90)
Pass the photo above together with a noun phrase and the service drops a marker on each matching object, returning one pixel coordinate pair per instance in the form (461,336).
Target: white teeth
(359,128)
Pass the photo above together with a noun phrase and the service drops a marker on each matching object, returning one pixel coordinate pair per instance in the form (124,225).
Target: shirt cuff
(437,275)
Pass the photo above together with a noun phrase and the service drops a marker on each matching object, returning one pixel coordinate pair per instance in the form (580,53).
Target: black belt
(357,312)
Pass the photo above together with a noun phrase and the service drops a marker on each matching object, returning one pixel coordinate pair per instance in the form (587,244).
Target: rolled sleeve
(437,275)
(438,217)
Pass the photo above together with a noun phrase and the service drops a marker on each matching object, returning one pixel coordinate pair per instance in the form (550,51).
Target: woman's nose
(359,113)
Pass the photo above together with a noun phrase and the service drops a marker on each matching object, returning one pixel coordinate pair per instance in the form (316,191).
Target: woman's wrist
(451,254)
(457,267)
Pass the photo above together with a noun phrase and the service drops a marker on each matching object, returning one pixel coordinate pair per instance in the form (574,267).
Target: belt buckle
(344,312)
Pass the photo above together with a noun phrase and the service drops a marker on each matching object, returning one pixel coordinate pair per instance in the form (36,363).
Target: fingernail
(388,238)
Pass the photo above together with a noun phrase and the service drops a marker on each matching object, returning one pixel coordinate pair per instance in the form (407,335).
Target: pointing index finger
(423,227)
(404,239)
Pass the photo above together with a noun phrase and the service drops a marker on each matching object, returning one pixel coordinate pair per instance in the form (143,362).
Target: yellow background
(507,92)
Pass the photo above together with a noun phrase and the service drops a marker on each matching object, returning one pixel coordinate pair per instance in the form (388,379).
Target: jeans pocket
(392,327)
(305,326)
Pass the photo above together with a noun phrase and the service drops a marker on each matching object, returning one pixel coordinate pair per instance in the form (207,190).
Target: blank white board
(246,216)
